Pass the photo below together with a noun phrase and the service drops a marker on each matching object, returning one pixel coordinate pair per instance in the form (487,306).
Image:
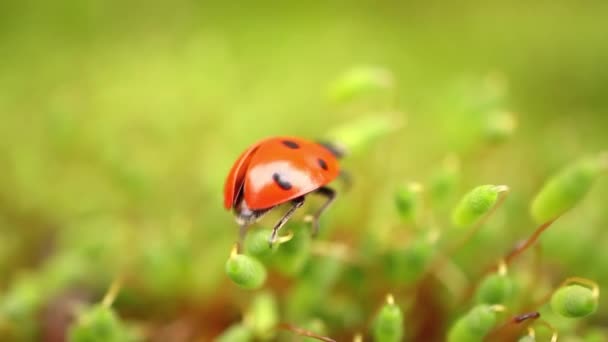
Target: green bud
(500,126)
(291,256)
(388,325)
(360,81)
(407,200)
(262,316)
(100,324)
(564,190)
(444,180)
(360,133)
(408,264)
(474,325)
(574,301)
(245,271)
(235,333)
(256,244)
(475,204)
(494,289)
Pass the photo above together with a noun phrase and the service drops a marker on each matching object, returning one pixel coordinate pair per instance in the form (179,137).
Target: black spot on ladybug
(283,184)
(291,144)
(322,164)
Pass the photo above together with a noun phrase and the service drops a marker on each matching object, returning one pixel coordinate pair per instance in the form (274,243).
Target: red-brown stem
(515,252)
(522,247)
(303,332)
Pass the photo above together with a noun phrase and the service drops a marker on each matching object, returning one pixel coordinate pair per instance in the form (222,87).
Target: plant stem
(303,332)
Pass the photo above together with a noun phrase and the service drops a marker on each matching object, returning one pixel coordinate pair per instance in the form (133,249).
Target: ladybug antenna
(336,149)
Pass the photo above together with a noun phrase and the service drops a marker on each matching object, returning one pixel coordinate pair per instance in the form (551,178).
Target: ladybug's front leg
(295,204)
(328,193)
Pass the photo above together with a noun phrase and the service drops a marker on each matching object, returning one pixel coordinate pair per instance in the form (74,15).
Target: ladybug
(280,170)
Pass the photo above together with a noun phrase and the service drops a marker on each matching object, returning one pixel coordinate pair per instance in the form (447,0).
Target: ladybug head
(245,216)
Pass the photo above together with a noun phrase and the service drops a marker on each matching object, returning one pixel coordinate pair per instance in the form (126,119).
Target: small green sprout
(263,316)
(407,200)
(100,324)
(496,288)
(293,251)
(360,81)
(475,204)
(256,243)
(475,324)
(388,325)
(575,301)
(409,264)
(566,189)
(245,271)
(444,180)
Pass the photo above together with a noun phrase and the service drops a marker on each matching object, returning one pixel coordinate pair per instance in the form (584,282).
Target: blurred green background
(120,120)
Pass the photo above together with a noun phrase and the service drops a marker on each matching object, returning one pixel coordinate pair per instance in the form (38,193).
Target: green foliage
(116,134)
(574,301)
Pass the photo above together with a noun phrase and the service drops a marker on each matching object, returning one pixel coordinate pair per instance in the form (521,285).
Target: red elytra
(280,170)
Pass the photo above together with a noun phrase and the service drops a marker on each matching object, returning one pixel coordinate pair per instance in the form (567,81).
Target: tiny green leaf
(564,190)
(246,271)
(388,325)
(574,301)
(474,325)
(475,204)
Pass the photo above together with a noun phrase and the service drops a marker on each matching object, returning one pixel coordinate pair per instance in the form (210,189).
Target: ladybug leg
(330,195)
(295,204)
(336,149)
(346,178)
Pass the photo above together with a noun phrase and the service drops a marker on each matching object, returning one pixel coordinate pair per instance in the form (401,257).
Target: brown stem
(523,246)
(303,332)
